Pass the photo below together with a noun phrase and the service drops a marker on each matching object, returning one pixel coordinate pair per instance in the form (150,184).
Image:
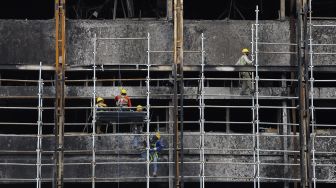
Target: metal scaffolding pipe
(60,91)
(302,53)
(178,76)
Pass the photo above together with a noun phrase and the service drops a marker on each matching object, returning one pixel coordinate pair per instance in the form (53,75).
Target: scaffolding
(253,159)
(315,55)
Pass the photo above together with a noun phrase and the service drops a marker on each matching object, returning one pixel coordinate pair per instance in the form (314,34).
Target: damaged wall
(29,42)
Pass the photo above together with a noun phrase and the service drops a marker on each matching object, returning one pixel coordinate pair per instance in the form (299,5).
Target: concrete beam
(223,161)
(109,92)
(224,40)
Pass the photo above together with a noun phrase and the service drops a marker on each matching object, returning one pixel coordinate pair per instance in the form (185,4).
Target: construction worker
(156,146)
(100,102)
(247,76)
(139,108)
(100,105)
(123,100)
(137,129)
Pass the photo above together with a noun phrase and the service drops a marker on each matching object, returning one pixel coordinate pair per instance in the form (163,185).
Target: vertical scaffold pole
(94,110)
(148,110)
(252,43)
(253,113)
(312,108)
(302,50)
(202,118)
(59,98)
(178,73)
(39,131)
(257,97)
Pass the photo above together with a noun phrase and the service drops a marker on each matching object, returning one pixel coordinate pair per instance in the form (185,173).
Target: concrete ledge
(123,158)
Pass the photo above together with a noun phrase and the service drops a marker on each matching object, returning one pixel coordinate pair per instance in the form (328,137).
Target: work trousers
(247,83)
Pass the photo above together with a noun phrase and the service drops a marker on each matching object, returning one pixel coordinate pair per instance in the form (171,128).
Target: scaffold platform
(121,116)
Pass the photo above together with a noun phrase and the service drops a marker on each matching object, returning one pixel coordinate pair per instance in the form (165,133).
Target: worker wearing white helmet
(247,76)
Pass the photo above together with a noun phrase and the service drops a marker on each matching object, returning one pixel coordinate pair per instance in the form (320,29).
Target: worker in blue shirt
(155,148)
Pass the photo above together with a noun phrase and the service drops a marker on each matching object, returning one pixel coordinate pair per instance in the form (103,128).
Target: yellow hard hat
(123,91)
(99,99)
(158,135)
(139,108)
(245,50)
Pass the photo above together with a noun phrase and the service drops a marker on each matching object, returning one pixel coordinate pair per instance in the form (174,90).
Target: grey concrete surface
(222,163)
(29,42)
(160,92)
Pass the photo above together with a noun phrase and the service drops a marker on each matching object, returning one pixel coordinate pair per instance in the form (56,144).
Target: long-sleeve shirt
(158,145)
(244,60)
(100,106)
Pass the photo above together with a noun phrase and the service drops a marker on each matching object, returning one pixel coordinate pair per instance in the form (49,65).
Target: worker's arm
(159,146)
(129,102)
(247,60)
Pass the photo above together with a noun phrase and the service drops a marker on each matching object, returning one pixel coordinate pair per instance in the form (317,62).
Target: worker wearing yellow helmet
(245,51)
(100,102)
(123,100)
(100,105)
(139,108)
(155,148)
(246,76)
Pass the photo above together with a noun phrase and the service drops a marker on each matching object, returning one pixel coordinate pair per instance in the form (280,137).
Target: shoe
(154,174)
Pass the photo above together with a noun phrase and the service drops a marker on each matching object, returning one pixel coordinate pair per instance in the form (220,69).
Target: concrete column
(285,131)
(114,128)
(169,9)
(227,119)
(282,9)
(158,124)
(170,117)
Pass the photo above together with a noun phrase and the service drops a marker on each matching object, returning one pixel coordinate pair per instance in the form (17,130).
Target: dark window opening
(25,78)
(191,116)
(193,9)
(325,110)
(235,10)
(239,121)
(28,9)
(324,8)
(114,9)
(269,116)
(324,79)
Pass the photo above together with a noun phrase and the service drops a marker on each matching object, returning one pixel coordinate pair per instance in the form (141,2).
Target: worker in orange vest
(123,100)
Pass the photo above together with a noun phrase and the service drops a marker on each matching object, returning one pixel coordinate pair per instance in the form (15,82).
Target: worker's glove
(155,149)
